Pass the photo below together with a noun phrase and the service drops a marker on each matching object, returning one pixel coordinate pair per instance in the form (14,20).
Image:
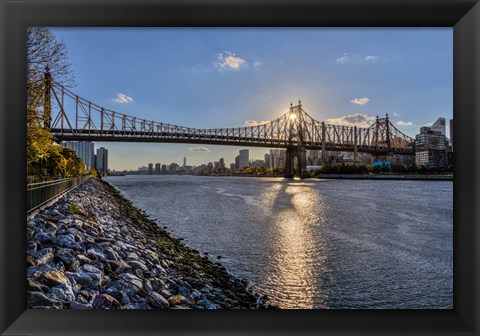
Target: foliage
(44,157)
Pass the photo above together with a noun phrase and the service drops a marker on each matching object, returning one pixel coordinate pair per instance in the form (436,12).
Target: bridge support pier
(298,169)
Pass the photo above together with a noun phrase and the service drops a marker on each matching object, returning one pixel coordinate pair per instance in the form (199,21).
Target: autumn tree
(43,51)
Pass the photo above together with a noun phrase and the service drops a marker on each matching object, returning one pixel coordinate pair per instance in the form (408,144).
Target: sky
(232,77)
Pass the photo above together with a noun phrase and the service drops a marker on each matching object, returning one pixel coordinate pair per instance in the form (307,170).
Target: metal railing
(41,193)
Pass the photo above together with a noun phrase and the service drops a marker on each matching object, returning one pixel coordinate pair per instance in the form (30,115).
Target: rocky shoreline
(92,249)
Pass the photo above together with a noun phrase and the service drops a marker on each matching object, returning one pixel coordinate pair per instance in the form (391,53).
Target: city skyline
(209,78)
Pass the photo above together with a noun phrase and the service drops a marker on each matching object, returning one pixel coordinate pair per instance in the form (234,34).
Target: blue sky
(219,77)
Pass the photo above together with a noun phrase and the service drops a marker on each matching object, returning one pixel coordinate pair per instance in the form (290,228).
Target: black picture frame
(462,15)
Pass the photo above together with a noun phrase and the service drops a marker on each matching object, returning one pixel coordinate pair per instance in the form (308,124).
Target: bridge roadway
(163,137)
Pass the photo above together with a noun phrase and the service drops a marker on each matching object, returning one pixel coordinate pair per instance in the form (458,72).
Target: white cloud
(257,64)
(256,123)
(357,119)
(122,99)
(198,149)
(342,59)
(405,123)
(395,114)
(360,101)
(229,61)
(355,58)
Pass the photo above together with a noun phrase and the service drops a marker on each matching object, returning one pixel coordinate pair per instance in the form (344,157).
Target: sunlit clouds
(405,123)
(360,101)
(198,149)
(357,119)
(229,61)
(370,58)
(122,99)
(347,58)
(343,59)
(256,123)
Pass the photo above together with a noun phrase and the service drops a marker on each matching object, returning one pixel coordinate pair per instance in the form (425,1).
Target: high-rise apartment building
(101,163)
(184,161)
(84,150)
(150,168)
(158,168)
(430,148)
(243,158)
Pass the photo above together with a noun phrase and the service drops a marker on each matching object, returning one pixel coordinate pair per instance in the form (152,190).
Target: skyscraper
(84,150)
(184,161)
(439,126)
(243,159)
(430,148)
(158,169)
(277,158)
(101,163)
(150,168)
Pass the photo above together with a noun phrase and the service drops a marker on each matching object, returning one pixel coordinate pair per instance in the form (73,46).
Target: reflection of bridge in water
(78,119)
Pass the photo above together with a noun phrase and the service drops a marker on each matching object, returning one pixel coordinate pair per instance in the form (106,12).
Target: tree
(43,50)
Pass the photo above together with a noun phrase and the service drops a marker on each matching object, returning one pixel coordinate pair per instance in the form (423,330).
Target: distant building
(266,158)
(221,164)
(277,158)
(164,169)
(237,162)
(243,159)
(158,168)
(430,148)
(101,163)
(150,168)
(184,161)
(233,168)
(439,126)
(174,168)
(84,150)
(451,133)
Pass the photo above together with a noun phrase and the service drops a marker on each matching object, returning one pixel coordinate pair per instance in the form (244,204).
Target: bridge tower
(47,99)
(296,154)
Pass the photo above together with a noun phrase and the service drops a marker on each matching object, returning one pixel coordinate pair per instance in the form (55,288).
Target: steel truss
(296,128)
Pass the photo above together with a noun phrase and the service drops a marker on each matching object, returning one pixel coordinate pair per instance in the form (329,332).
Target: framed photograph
(353,96)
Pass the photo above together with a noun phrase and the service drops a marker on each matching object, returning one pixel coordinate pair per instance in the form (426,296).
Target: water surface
(314,243)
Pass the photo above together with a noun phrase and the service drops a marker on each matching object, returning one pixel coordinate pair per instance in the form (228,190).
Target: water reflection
(297,258)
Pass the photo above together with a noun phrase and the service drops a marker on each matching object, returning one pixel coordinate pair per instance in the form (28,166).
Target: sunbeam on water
(314,243)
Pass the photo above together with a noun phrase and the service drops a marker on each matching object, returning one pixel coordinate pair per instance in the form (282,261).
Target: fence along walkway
(41,193)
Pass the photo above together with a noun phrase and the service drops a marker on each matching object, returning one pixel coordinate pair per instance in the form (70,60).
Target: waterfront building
(150,168)
(233,168)
(164,169)
(84,150)
(243,160)
(101,163)
(158,168)
(184,161)
(221,163)
(430,148)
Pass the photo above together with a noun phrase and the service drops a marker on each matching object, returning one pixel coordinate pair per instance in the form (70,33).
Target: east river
(314,243)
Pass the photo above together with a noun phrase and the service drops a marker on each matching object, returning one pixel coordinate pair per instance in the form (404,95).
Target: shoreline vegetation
(92,249)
